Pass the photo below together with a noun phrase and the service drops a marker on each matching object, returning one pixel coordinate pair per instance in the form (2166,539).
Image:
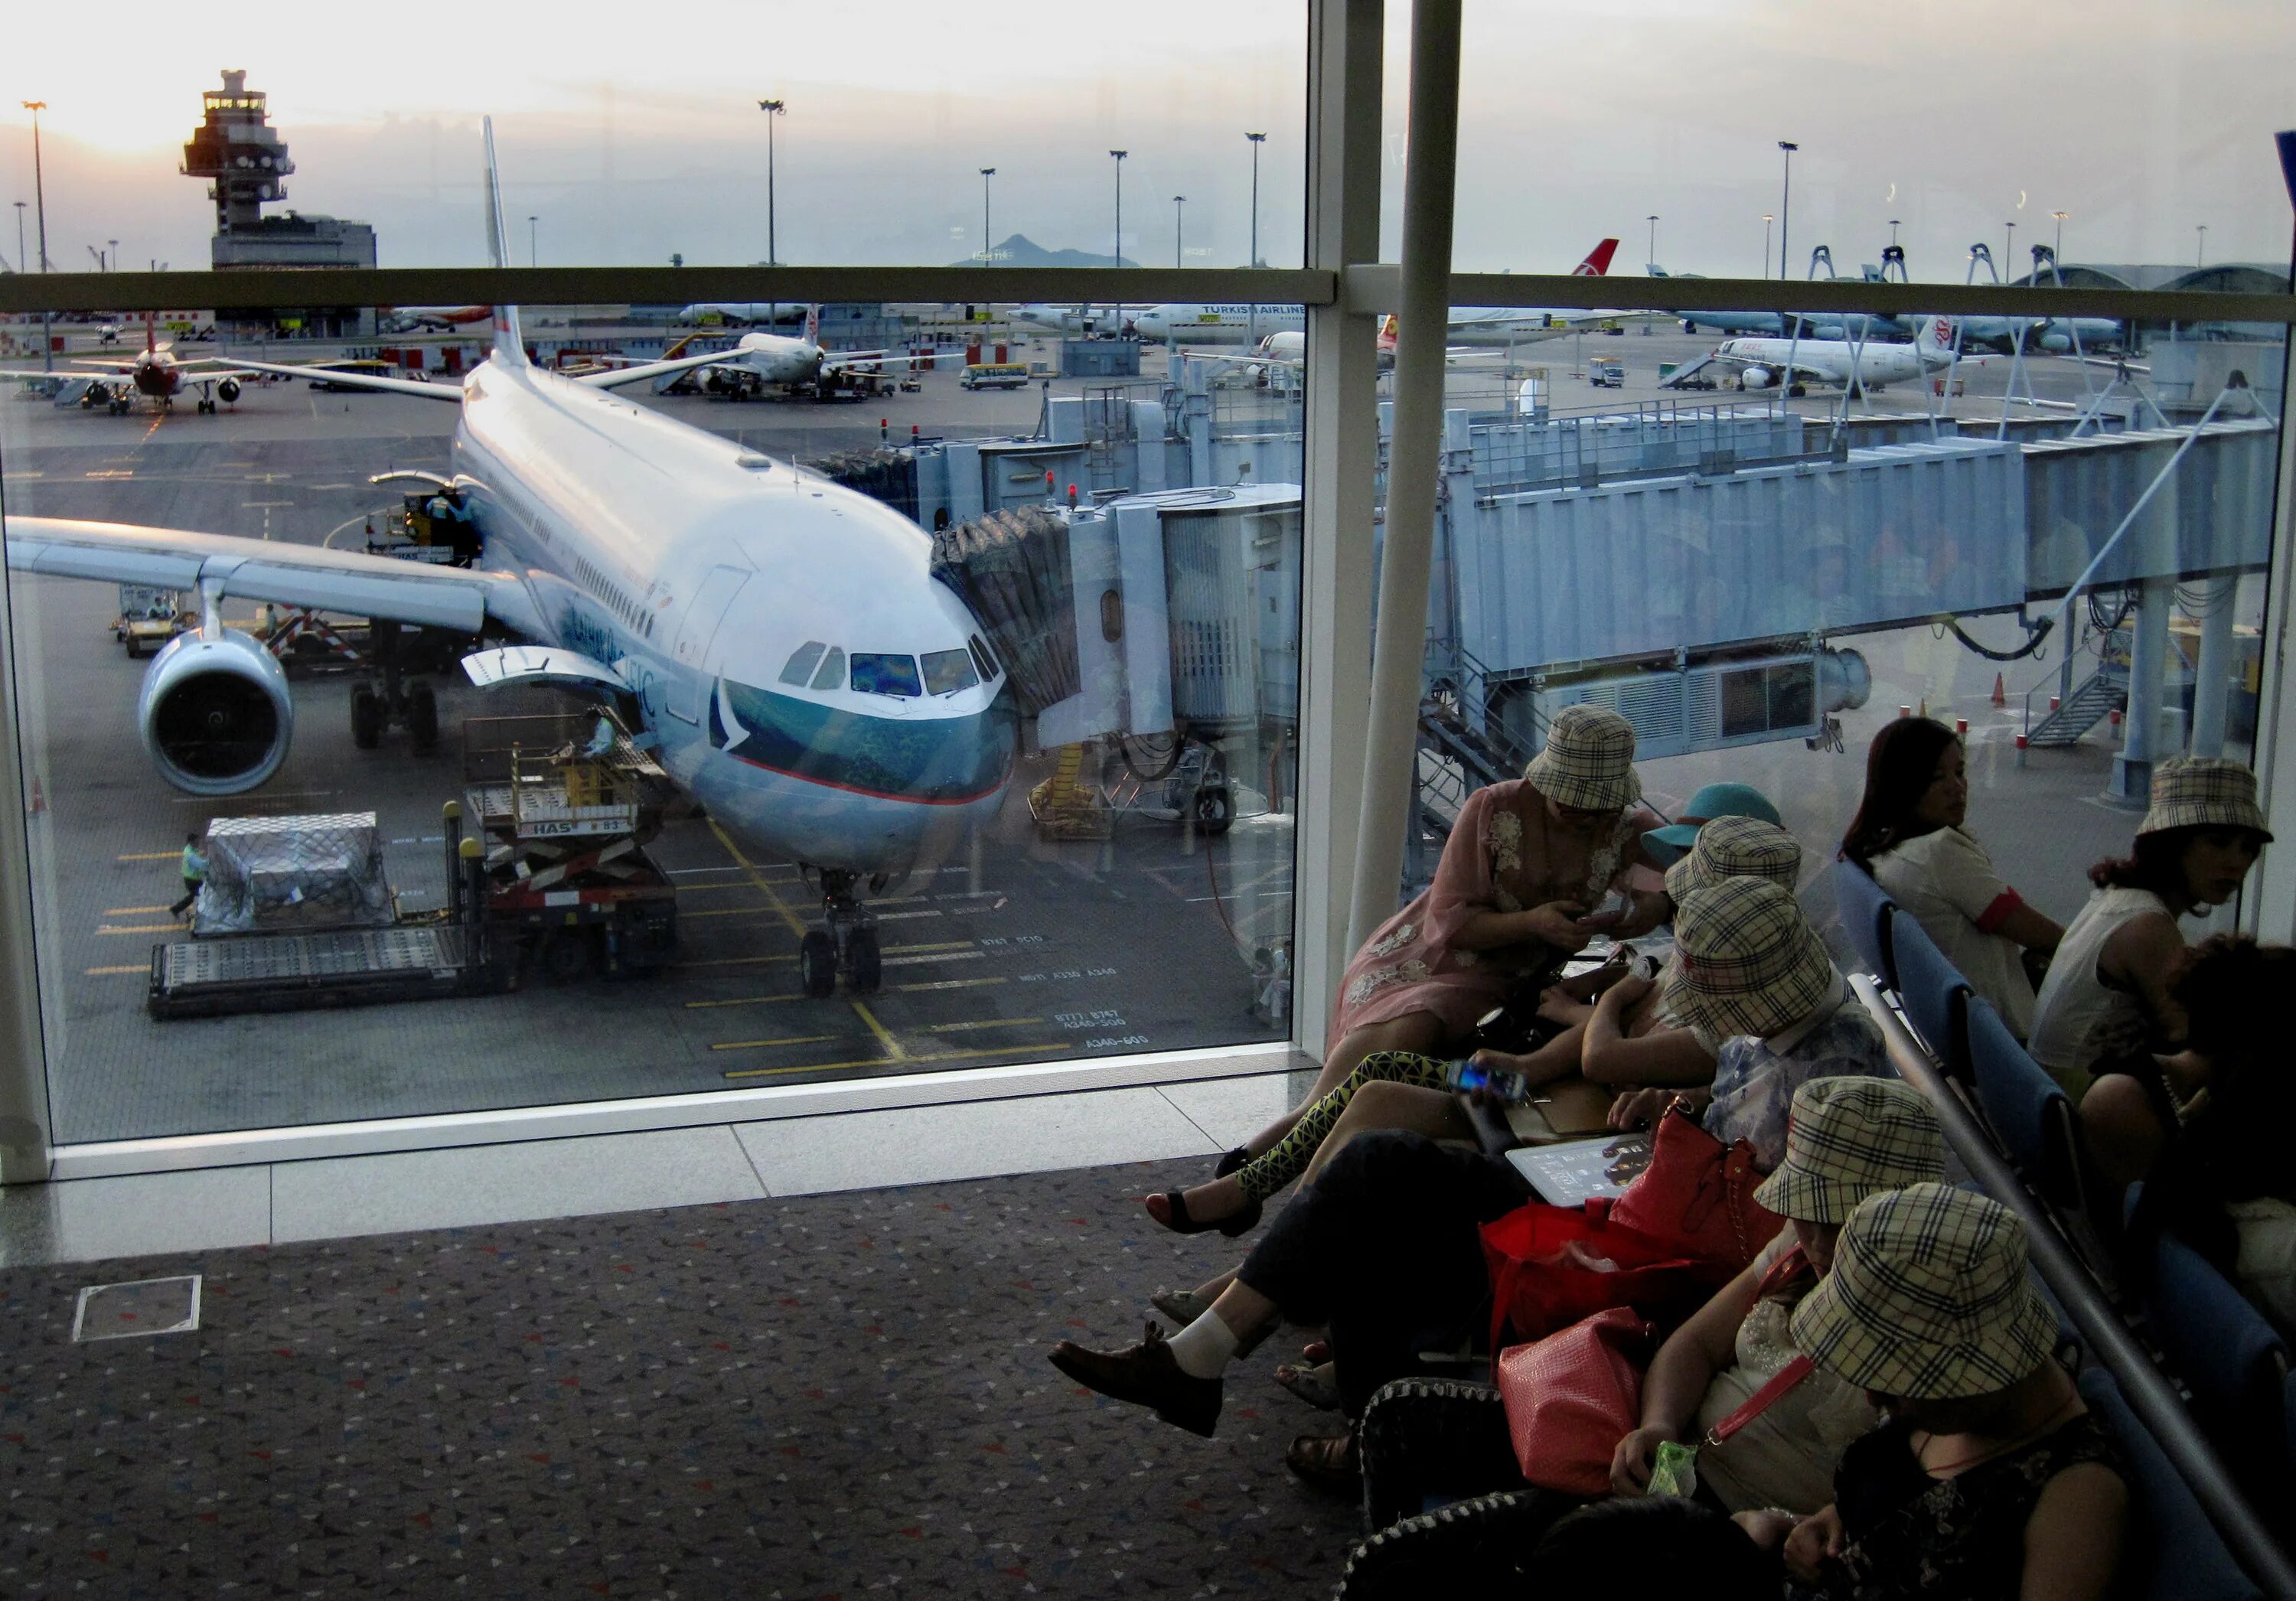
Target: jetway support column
(1398,641)
(2148,670)
(2213,672)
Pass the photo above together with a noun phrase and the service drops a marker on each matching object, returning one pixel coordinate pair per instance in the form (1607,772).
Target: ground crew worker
(195,873)
(602,737)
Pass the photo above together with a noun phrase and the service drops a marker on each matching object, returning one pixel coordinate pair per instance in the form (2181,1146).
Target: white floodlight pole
(1400,640)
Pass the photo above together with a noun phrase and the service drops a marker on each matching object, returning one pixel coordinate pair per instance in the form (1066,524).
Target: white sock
(1204,1348)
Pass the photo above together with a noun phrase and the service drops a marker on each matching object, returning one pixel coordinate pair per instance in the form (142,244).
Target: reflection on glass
(795,789)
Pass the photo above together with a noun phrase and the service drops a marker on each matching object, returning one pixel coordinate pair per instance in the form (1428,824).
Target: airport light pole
(2201,252)
(774,110)
(987,173)
(1894,226)
(1651,259)
(533,241)
(40,206)
(2057,251)
(1179,223)
(1767,218)
(1118,261)
(1785,207)
(23,263)
(2008,250)
(1257,141)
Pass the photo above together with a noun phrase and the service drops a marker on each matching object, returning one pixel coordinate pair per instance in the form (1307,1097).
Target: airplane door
(689,688)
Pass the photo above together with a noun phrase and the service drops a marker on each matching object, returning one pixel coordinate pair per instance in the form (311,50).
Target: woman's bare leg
(1418,1032)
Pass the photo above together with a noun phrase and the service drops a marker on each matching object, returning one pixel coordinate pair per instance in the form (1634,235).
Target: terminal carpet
(840,1395)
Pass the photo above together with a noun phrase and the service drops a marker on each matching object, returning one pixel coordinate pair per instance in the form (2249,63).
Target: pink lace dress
(1504,855)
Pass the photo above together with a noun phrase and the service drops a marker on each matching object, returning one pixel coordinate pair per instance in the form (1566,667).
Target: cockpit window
(802,662)
(876,674)
(831,675)
(949,671)
(983,660)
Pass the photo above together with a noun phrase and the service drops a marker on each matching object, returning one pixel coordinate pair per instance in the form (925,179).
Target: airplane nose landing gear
(849,948)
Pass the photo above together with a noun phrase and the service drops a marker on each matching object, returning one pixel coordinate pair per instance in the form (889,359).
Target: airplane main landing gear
(848,948)
(374,707)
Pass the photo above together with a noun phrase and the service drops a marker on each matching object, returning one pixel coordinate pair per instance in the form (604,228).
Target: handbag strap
(1761,1401)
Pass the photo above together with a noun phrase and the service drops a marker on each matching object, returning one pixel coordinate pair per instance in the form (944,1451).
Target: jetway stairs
(2103,693)
(1462,747)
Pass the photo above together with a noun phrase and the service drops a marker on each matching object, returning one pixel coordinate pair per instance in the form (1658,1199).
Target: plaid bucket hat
(2203,792)
(1849,1139)
(1588,761)
(1735,848)
(1746,960)
(1929,1298)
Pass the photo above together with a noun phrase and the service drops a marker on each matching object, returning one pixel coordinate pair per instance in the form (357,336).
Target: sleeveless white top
(2077,1016)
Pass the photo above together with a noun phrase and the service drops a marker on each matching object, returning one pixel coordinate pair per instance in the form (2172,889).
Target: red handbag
(1571,1396)
(1552,1266)
(1696,1198)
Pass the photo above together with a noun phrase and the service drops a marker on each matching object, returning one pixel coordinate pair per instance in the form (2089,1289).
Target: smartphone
(1502,1085)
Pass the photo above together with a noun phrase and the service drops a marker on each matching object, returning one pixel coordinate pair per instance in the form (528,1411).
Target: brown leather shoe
(1147,1375)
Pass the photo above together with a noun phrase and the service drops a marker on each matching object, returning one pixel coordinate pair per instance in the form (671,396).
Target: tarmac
(1025,950)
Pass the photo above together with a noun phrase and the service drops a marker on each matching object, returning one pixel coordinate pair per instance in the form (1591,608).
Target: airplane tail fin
(150,334)
(813,324)
(1936,335)
(1597,264)
(510,345)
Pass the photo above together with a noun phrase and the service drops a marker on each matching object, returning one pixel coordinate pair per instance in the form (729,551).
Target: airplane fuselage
(1833,361)
(717,585)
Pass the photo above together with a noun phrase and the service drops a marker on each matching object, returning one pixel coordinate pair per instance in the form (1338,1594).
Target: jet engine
(2056,343)
(227,389)
(215,712)
(1757,378)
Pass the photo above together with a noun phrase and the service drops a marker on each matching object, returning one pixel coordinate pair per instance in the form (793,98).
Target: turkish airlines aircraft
(793,363)
(154,374)
(1761,363)
(777,640)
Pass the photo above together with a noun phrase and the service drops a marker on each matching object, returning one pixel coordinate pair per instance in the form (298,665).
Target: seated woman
(1527,861)
(1849,1139)
(1629,1037)
(2107,992)
(1908,834)
(1386,1247)
(1990,1480)
(2219,1117)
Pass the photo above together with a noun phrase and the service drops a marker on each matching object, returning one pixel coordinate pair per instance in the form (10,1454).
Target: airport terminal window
(877,674)
(949,671)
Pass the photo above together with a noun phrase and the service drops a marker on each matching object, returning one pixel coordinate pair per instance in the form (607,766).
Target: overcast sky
(633,132)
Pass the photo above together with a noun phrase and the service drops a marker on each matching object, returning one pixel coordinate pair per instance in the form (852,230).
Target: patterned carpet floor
(830,1396)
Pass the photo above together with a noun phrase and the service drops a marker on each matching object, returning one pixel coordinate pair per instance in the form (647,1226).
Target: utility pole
(1785,208)
(2008,250)
(987,173)
(23,262)
(1119,155)
(2200,255)
(1894,226)
(1179,203)
(1257,141)
(774,110)
(40,196)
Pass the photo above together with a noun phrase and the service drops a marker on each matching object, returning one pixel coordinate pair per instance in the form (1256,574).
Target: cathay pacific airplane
(778,641)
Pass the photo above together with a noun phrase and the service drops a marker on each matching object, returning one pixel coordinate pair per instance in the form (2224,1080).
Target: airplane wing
(64,375)
(266,570)
(892,359)
(363,380)
(613,378)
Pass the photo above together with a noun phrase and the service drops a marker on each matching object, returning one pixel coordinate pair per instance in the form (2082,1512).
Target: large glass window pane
(1035,776)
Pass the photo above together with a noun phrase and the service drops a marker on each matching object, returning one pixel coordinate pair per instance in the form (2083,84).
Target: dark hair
(1669,1544)
(2156,861)
(2234,1147)
(192,838)
(1900,766)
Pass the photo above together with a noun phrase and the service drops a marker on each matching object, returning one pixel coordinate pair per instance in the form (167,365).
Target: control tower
(237,148)
(245,161)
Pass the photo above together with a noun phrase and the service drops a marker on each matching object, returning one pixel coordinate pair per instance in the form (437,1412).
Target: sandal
(1316,1352)
(1327,1461)
(1177,1219)
(1311,1385)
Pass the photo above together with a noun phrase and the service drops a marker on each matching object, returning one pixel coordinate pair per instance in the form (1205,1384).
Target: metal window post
(1345,65)
(1430,174)
(24,1125)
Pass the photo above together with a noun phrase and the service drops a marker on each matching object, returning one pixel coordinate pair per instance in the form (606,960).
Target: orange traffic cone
(2000,691)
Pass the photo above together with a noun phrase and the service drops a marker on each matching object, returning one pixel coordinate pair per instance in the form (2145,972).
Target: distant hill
(1020,251)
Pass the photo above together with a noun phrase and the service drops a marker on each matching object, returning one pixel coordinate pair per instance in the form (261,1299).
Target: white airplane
(778,642)
(701,313)
(1081,321)
(793,363)
(1761,363)
(155,374)
(415,319)
(1203,324)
